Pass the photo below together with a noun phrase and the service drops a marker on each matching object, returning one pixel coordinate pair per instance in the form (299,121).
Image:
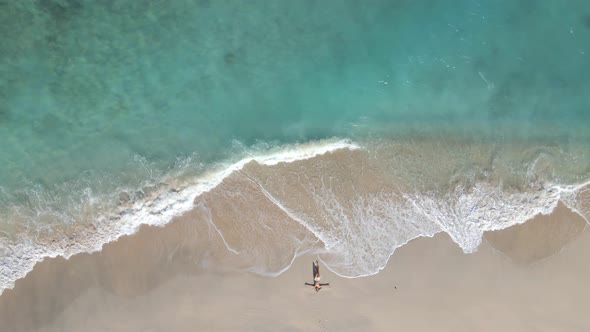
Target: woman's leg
(315,270)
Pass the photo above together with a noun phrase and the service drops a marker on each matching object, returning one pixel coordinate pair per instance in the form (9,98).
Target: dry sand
(531,277)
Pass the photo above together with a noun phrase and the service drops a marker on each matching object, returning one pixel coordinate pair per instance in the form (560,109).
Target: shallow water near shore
(456,119)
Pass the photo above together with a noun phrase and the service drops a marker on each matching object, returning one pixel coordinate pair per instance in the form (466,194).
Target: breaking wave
(351,203)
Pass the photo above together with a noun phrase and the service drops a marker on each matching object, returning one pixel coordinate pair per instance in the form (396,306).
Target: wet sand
(162,279)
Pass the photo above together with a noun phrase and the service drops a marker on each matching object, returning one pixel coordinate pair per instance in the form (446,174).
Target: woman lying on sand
(316,277)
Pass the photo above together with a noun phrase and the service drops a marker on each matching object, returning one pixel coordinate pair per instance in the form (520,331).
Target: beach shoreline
(158,279)
(177,166)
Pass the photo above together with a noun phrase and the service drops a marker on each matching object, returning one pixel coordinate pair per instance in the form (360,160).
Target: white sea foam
(18,256)
(359,232)
(360,241)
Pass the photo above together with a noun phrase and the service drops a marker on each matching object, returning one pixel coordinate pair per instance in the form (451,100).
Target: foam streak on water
(361,213)
(19,254)
(352,205)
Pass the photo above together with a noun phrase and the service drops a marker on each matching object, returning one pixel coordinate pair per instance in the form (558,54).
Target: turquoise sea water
(99,97)
(85,84)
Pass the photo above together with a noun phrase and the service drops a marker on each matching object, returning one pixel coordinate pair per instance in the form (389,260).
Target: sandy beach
(151,282)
